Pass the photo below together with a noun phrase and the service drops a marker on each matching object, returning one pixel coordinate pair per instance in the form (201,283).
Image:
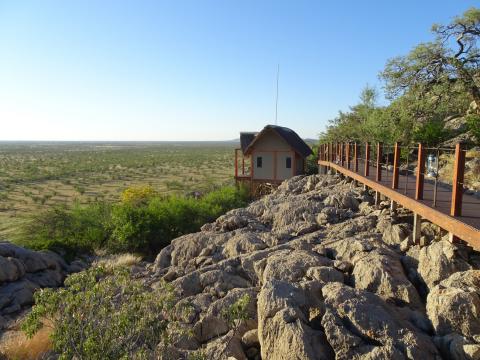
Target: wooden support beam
(417,228)
(251,166)
(355,157)
(367,159)
(379,162)
(458,176)
(236,163)
(420,173)
(347,154)
(320,157)
(325,152)
(396,164)
(342,159)
(393,205)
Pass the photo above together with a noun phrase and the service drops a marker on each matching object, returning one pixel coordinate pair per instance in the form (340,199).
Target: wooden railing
(391,166)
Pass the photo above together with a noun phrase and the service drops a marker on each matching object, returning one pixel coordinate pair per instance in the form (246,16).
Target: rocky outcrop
(329,276)
(23,271)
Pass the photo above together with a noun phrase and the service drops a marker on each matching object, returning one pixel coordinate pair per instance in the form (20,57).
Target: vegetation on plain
(142,222)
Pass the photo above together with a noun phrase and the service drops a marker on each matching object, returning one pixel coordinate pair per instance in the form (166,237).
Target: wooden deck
(465,226)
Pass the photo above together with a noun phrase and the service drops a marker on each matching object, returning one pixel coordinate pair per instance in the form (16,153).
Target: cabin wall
(266,171)
(282,171)
(266,147)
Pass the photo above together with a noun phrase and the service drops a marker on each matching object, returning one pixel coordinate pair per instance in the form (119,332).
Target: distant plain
(37,175)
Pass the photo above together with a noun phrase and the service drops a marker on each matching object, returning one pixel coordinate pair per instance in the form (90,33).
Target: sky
(195,69)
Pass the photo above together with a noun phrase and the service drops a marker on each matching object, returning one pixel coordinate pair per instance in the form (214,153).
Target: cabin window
(259,161)
(288,162)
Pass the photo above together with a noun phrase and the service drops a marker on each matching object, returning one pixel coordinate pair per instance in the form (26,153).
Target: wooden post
(342,159)
(420,173)
(320,156)
(355,157)
(396,163)
(458,175)
(347,154)
(251,165)
(243,164)
(379,162)
(236,163)
(417,228)
(367,159)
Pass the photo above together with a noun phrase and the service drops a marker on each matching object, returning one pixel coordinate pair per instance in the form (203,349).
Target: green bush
(128,226)
(69,231)
(105,314)
(473,122)
(431,133)
(148,227)
(311,167)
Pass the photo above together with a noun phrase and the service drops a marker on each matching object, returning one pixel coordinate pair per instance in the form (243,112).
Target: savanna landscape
(37,175)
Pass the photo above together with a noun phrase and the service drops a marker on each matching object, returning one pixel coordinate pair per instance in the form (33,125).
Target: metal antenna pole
(276,100)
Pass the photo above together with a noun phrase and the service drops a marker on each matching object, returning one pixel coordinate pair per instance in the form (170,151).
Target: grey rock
(359,324)
(438,261)
(454,304)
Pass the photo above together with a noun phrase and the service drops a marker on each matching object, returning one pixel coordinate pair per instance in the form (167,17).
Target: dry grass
(115,261)
(19,347)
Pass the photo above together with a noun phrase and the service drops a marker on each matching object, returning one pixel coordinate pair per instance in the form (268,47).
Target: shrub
(143,222)
(148,227)
(311,167)
(138,194)
(473,122)
(75,230)
(431,133)
(105,314)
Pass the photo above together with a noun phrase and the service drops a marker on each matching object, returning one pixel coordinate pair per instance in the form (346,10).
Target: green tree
(443,67)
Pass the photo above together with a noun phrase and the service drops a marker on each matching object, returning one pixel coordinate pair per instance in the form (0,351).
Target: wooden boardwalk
(434,206)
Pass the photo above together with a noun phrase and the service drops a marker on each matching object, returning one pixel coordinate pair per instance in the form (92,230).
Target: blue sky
(195,70)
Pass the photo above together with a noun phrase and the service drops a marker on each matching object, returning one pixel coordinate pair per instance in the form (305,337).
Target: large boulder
(439,260)
(292,265)
(453,306)
(382,273)
(243,243)
(394,234)
(186,248)
(361,325)
(342,201)
(283,328)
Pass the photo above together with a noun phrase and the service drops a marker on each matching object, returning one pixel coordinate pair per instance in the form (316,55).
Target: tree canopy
(435,80)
